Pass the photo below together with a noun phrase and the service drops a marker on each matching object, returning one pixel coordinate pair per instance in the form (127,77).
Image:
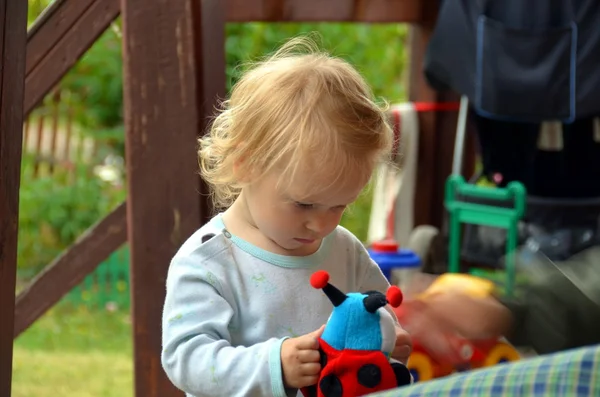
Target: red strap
(436,106)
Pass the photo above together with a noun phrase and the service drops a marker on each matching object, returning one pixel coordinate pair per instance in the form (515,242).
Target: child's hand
(431,319)
(300,360)
(403,345)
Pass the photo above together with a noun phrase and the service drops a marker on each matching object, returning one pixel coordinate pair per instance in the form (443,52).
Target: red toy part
(319,279)
(394,296)
(385,246)
(426,364)
(352,373)
(463,351)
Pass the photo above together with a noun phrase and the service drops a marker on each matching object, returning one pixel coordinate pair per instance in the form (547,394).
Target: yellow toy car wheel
(500,353)
(420,366)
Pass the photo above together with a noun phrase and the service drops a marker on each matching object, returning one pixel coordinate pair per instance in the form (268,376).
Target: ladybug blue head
(359,321)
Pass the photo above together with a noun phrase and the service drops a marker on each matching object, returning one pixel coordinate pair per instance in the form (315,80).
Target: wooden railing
(52,139)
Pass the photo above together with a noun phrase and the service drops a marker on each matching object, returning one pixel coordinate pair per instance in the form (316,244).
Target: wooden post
(162,116)
(70,268)
(419,90)
(437,129)
(209,29)
(13,34)
(58,39)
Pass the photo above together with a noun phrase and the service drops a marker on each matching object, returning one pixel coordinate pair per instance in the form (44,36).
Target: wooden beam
(437,130)
(13,33)
(426,202)
(70,268)
(59,38)
(161,121)
(371,11)
(419,90)
(209,33)
(47,30)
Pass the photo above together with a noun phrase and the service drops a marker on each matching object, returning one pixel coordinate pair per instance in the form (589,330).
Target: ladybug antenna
(373,301)
(320,280)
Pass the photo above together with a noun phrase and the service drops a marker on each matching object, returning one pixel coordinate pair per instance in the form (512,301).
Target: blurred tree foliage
(55,210)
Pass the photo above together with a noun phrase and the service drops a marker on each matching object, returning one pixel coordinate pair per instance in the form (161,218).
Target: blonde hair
(299,107)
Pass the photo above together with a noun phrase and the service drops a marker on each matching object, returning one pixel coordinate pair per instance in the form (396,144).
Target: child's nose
(322,224)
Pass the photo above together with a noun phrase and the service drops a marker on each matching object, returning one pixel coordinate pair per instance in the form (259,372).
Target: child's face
(297,221)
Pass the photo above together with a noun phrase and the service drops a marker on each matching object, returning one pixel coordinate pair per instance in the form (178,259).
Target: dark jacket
(519,60)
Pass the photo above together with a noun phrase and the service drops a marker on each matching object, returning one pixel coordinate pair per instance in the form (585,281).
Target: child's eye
(304,205)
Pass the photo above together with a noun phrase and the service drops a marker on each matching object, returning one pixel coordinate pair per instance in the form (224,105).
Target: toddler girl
(293,146)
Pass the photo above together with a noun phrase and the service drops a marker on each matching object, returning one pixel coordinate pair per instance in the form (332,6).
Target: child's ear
(242,171)
(238,166)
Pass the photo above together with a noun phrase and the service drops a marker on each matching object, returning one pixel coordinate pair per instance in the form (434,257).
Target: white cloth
(395,184)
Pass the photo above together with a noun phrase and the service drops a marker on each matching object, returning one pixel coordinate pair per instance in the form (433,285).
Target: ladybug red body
(349,373)
(356,343)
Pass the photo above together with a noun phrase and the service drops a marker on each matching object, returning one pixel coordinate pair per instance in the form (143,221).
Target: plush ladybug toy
(357,342)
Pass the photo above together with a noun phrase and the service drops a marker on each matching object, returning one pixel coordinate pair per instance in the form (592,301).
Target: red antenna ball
(319,279)
(394,296)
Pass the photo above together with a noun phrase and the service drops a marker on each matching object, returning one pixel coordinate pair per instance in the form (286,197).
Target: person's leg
(507,148)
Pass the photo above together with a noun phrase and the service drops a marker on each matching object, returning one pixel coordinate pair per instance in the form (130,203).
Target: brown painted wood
(59,39)
(70,268)
(209,33)
(162,108)
(419,90)
(50,27)
(437,130)
(381,11)
(13,33)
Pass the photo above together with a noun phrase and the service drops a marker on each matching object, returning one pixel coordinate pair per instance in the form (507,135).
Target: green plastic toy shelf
(485,215)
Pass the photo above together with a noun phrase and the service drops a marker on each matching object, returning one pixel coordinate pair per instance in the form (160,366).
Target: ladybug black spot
(331,386)
(310,391)
(369,375)
(323,359)
(402,374)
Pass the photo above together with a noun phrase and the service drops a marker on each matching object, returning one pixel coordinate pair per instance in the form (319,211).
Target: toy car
(469,354)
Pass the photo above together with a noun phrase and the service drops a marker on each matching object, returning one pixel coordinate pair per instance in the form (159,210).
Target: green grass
(75,352)
(43,373)
(64,328)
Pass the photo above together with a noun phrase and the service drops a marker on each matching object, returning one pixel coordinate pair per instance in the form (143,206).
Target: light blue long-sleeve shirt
(230,305)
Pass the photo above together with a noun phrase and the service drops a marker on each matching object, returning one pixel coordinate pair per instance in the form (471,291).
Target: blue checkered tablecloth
(571,373)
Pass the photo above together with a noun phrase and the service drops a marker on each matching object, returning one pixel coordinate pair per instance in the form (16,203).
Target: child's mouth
(305,240)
